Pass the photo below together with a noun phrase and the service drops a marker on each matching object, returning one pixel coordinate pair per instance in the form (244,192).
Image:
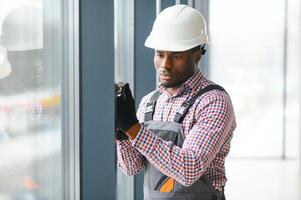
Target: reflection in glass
(30,145)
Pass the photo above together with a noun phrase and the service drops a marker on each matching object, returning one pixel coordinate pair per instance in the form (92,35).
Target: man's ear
(197,56)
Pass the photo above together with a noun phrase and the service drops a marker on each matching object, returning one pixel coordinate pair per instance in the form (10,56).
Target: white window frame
(70,101)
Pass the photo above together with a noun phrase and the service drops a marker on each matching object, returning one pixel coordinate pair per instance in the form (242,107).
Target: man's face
(27,71)
(174,68)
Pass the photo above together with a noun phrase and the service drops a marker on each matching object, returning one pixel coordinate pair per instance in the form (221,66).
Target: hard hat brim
(184,45)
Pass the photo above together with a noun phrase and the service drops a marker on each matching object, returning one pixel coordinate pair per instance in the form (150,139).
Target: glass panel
(246,57)
(124,72)
(30,116)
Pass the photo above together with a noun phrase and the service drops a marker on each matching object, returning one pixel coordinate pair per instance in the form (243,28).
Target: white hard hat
(178,28)
(22,29)
(5,67)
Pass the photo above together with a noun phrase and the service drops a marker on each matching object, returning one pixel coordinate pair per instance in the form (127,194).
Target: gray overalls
(154,180)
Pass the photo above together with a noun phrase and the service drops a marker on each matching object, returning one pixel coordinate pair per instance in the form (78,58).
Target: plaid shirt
(208,128)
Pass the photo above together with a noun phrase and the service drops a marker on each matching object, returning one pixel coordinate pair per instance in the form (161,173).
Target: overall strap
(182,111)
(150,106)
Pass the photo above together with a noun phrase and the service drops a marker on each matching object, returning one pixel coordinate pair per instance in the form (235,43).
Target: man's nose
(166,62)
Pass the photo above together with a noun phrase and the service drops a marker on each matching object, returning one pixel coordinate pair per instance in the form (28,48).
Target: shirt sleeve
(214,118)
(129,160)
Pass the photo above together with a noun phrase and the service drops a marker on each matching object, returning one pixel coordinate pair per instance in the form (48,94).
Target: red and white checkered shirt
(208,128)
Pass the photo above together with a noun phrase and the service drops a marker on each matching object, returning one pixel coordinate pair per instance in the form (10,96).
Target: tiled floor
(263,179)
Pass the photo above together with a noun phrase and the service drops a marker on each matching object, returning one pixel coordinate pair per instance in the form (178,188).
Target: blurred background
(254,52)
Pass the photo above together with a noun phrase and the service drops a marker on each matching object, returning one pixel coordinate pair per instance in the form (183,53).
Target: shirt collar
(192,84)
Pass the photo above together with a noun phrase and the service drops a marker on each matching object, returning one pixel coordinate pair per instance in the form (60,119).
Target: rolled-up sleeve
(129,160)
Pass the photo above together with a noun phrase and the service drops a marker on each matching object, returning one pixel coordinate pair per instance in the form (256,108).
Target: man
(21,45)
(185,127)
(23,41)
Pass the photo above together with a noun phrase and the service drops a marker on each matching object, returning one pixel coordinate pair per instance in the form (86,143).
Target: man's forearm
(133,131)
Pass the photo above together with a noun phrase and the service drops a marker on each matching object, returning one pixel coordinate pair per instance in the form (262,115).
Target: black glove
(120,135)
(125,109)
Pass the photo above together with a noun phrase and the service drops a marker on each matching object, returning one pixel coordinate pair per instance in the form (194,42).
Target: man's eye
(178,57)
(160,55)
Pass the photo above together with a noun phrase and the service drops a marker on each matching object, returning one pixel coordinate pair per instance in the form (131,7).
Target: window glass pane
(30,116)
(246,56)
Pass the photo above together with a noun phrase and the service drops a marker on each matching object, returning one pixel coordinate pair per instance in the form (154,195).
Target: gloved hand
(125,110)
(120,135)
